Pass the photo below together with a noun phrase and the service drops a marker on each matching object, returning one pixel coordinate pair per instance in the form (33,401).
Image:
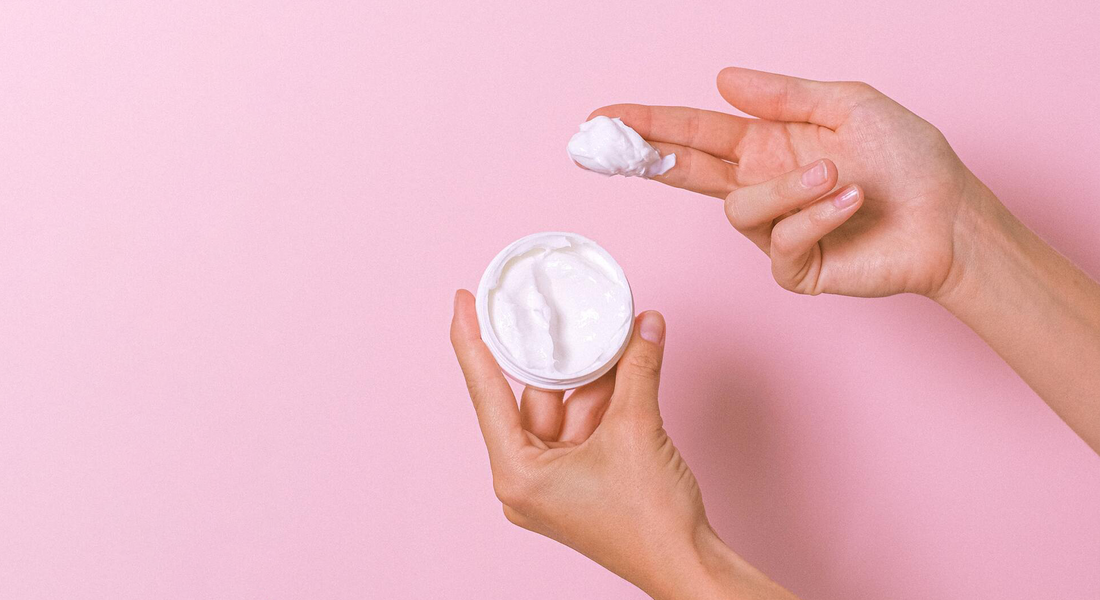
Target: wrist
(1034,307)
(985,237)
(708,569)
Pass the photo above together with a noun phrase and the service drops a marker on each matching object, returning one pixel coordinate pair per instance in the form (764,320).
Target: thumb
(638,373)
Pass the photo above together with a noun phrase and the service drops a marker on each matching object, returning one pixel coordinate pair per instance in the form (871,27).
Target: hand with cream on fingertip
(848,192)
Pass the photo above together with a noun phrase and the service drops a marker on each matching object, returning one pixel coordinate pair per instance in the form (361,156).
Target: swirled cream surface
(560,306)
(611,147)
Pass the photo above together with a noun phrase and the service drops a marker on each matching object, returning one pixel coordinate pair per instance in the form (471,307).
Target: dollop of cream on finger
(610,147)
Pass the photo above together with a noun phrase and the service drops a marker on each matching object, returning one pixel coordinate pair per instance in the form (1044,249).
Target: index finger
(494,402)
(715,133)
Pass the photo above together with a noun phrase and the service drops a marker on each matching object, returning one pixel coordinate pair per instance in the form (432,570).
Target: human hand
(598,473)
(846,190)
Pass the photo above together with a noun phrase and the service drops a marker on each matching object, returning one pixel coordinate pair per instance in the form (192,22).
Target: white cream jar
(555,310)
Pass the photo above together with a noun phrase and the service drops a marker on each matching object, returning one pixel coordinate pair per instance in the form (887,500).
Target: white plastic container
(609,352)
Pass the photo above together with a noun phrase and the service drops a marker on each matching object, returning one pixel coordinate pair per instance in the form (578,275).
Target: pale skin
(846,192)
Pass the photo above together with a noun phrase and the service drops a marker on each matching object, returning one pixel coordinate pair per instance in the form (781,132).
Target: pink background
(230,235)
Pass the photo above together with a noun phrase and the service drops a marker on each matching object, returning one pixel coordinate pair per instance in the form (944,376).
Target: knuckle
(734,213)
(513,517)
(860,89)
(868,88)
(788,189)
(694,128)
(781,242)
(646,365)
(797,275)
(939,138)
(476,389)
(785,281)
(820,216)
(513,488)
(790,186)
(507,492)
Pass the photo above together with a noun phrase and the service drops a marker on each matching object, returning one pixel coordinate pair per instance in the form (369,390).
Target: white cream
(610,147)
(558,305)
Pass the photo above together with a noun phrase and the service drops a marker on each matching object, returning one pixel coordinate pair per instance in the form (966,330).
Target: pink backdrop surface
(230,234)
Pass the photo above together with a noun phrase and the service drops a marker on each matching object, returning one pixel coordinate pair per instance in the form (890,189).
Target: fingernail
(652,328)
(816,175)
(456,301)
(846,198)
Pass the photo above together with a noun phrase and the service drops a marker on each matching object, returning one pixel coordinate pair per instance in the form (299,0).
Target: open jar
(555,310)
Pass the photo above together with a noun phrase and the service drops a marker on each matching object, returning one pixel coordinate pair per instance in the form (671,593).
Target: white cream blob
(610,147)
(559,306)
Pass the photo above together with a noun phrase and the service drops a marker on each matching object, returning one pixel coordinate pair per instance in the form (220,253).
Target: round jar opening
(555,310)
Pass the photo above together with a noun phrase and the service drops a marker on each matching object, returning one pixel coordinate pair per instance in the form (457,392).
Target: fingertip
(603,111)
(456,334)
(464,320)
(722,81)
(462,298)
(848,198)
(611,110)
(651,327)
(728,76)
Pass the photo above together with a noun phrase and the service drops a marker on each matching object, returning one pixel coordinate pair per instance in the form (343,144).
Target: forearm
(1033,307)
(710,570)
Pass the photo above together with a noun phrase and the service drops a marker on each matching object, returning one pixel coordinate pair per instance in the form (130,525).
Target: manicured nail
(846,198)
(816,175)
(652,328)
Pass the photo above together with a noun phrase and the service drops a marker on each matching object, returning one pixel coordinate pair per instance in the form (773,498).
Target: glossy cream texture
(559,307)
(609,146)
